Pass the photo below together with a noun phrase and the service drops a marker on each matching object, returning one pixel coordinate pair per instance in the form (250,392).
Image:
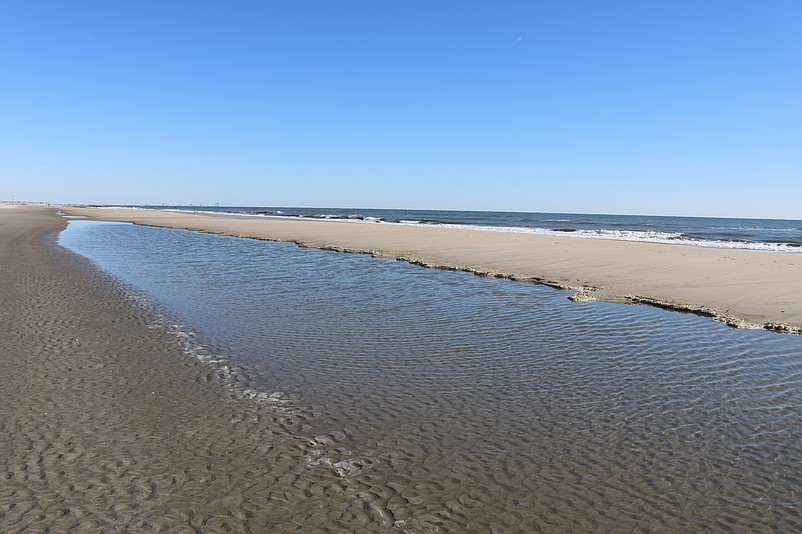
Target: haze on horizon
(682,108)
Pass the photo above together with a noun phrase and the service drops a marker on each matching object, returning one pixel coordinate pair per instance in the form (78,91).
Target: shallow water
(472,403)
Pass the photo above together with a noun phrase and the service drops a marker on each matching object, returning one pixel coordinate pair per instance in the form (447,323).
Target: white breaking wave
(618,235)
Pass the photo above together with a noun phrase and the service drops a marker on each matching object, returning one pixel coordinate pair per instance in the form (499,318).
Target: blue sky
(675,108)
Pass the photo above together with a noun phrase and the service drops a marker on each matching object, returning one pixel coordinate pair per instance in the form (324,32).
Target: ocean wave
(366,218)
(650,236)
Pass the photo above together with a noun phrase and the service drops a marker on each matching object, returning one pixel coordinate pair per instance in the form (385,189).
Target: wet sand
(746,289)
(109,423)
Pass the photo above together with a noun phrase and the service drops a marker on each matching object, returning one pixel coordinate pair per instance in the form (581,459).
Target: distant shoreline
(781,235)
(742,288)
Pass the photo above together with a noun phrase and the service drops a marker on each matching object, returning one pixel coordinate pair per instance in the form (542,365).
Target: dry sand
(747,289)
(109,424)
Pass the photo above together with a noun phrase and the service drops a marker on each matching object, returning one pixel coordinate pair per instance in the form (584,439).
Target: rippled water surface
(486,403)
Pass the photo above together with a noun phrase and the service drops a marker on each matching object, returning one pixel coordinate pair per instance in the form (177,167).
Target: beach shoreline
(741,288)
(110,422)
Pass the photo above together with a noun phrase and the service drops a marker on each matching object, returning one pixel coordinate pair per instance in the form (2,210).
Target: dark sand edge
(109,424)
(581,292)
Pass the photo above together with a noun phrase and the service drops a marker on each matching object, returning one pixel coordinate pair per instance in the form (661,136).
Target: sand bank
(747,289)
(110,423)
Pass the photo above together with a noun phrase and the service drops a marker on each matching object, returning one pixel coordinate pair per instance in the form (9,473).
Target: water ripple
(484,403)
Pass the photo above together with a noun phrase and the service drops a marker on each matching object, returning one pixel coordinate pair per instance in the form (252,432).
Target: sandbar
(742,288)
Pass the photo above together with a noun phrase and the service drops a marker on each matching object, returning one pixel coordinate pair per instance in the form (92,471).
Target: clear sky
(673,107)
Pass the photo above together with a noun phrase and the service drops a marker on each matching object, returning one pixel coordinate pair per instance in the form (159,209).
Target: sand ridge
(743,288)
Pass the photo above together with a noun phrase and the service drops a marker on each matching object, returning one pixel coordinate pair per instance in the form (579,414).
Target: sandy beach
(109,424)
(112,420)
(746,289)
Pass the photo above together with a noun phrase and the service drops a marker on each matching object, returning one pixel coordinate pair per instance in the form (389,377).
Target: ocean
(484,403)
(754,234)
